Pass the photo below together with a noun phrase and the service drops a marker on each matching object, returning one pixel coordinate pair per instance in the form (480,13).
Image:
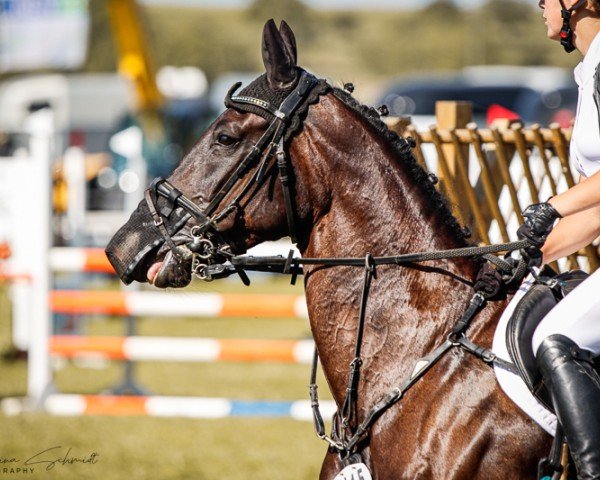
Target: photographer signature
(51,457)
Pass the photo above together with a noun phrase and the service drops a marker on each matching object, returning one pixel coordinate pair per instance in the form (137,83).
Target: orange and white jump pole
(173,349)
(71,259)
(168,304)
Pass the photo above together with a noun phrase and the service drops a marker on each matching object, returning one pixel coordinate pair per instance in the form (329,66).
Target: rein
(343,438)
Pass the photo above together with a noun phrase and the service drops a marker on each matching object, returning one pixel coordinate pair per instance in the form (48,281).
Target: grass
(169,448)
(152,448)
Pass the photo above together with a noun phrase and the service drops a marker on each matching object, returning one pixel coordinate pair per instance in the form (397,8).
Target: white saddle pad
(512,384)
(356,471)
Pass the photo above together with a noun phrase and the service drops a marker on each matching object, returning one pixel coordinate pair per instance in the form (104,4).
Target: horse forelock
(403,154)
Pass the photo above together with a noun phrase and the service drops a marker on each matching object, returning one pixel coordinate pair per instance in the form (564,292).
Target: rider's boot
(575,386)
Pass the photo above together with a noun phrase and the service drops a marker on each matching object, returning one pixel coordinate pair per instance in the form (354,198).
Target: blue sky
(358,4)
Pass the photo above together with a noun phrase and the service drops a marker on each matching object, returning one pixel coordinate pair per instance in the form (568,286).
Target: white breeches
(577,317)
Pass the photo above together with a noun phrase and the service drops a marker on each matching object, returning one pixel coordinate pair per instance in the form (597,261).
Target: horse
(349,187)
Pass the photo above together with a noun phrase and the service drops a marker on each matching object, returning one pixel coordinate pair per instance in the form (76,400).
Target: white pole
(40,126)
(129,144)
(20,298)
(74,172)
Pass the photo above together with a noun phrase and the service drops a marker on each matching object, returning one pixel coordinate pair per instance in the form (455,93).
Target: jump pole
(187,407)
(172,349)
(169,304)
(40,126)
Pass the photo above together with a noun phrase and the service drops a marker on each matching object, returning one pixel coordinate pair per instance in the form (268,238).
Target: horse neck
(374,206)
(370,201)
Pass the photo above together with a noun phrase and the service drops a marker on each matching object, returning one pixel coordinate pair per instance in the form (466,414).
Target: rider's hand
(532,256)
(538,221)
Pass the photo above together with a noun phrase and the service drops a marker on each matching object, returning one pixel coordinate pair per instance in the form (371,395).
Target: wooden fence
(490,175)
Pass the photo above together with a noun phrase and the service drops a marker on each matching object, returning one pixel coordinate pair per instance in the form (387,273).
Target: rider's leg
(575,388)
(577,316)
(560,342)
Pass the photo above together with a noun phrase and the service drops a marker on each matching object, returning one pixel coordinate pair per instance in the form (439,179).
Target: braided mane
(409,163)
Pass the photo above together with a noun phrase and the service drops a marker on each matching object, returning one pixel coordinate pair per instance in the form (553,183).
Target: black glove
(532,256)
(538,221)
(489,282)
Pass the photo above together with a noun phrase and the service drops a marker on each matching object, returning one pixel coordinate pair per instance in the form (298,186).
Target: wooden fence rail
(490,175)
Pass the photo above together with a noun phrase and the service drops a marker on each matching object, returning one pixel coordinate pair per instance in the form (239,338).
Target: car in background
(536,95)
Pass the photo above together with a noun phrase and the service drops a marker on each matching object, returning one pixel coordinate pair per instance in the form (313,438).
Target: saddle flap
(528,314)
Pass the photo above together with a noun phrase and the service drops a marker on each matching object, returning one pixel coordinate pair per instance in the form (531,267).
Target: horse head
(225,196)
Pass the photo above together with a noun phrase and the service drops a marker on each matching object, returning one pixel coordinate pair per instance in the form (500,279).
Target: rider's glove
(532,256)
(538,221)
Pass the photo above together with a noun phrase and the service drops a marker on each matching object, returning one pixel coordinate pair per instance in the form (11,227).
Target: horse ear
(279,61)
(289,39)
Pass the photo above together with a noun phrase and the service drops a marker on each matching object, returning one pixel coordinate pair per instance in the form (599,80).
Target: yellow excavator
(135,64)
(134,60)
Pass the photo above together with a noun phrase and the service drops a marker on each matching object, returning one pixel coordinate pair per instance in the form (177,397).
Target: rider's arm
(571,234)
(580,225)
(584,195)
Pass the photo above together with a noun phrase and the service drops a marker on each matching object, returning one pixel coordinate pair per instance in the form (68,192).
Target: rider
(569,335)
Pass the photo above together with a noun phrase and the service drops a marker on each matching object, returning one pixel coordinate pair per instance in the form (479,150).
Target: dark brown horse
(357,189)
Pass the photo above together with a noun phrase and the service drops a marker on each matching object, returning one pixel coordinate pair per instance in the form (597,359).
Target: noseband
(205,233)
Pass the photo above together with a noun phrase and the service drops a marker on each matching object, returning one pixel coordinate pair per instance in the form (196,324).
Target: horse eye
(224,139)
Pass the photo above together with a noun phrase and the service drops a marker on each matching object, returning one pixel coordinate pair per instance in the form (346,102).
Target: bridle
(209,250)
(207,245)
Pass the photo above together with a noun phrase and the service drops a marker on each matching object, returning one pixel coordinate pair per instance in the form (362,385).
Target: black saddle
(529,312)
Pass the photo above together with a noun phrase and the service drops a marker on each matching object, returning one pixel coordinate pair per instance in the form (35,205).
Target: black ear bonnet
(270,100)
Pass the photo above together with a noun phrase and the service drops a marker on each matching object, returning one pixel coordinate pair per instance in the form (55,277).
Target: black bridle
(205,233)
(347,433)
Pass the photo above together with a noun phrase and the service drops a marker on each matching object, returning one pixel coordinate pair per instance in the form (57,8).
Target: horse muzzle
(155,232)
(136,245)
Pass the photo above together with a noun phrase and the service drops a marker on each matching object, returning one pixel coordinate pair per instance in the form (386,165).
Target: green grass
(152,448)
(155,448)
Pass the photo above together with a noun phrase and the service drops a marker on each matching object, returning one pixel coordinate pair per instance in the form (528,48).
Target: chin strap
(566,32)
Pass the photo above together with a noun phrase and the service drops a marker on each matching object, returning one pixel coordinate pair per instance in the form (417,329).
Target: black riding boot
(575,388)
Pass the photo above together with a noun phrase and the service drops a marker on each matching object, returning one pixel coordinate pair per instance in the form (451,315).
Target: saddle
(528,314)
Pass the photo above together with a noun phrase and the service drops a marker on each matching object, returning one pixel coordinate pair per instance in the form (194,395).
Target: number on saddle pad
(356,471)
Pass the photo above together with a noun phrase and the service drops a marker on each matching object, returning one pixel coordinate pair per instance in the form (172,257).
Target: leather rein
(210,253)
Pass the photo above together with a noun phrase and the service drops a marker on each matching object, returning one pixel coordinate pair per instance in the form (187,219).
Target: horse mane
(403,153)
